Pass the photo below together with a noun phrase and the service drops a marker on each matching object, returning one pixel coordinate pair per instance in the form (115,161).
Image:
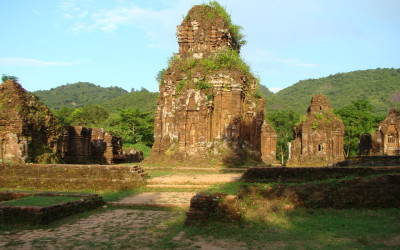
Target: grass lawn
(40,201)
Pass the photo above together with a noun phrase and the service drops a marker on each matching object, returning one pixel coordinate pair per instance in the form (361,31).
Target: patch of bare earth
(393,242)
(121,228)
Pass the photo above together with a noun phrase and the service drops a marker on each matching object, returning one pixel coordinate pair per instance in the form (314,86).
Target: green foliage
(379,86)
(283,122)
(143,100)
(235,30)
(41,201)
(77,95)
(180,86)
(132,125)
(146,149)
(8,77)
(160,76)
(358,120)
(91,116)
(202,84)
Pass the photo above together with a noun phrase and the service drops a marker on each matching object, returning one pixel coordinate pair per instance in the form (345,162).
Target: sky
(125,43)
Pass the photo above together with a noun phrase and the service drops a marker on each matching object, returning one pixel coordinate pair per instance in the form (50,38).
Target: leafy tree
(89,116)
(358,119)
(133,126)
(284,122)
(8,77)
(64,114)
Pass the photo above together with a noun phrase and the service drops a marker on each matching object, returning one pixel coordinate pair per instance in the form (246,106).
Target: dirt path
(181,181)
(113,229)
(162,199)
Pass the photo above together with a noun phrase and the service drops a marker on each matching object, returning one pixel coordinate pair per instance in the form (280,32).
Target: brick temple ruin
(386,139)
(29,132)
(207,110)
(319,139)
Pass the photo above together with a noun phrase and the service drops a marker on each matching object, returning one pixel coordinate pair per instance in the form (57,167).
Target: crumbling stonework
(27,128)
(386,140)
(213,207)
(268,144)
(319,139)
(208,106)
(30,133)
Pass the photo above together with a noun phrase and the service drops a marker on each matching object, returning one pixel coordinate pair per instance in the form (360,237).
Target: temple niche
(208,107)
(386,140)
(319,139)
(29,132)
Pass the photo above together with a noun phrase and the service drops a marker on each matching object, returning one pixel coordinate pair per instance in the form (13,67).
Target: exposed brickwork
(306,174)
(386,140)
(319,139)
(30,133)
(44,215)
(268,144)
(370,192)
(213,207)
(70,177)
(203,113)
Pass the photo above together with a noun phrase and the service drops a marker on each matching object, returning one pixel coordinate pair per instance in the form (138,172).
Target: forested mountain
(381,87)
(77,95)
(143,100)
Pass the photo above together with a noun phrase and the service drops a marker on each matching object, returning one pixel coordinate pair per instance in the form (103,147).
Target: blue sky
(48,43)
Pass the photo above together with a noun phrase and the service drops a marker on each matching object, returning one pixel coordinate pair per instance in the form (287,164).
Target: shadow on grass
(302,228)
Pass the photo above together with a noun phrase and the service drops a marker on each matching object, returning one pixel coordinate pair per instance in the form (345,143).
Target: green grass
(299,229)
(139,146)
(118,195)
(41,201)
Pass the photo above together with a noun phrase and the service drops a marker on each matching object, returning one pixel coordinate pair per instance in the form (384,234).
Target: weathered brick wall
(303,174)
(368,192)
(70,177)
(377,160)
(319,139)
(43,215)
(212,207)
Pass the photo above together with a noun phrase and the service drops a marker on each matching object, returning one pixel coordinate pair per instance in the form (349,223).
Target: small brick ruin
(386,139)
(43,215)
(209,112)
(319,139)
(29,132)
(213,207)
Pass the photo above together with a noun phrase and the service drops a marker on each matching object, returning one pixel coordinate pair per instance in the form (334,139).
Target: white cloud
(20,61)
(275,90)
(158,25)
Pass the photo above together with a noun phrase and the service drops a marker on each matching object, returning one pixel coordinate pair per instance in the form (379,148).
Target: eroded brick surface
(319,139)
(208,111)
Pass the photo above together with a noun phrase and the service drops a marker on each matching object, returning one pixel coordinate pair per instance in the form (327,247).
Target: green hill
(143,99)
(381,87)
(77,95)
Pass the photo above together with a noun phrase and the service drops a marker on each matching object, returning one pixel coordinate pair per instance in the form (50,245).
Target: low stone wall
(368,192)
(379,160)
(6,196)
(302,174)
(43,215)
(215,207)
(70,177)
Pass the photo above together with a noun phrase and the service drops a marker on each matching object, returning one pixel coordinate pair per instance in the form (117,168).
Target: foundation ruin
(319,139)
(29,132)
(208,106)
